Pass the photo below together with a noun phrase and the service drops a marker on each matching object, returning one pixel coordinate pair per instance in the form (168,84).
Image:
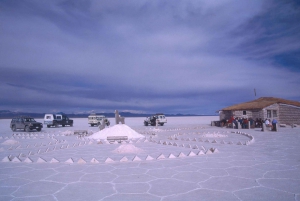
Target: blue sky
(146,56)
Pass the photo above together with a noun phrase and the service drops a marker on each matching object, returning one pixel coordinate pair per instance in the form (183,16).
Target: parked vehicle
(25,123)
(159,117)
(57,120)
(94,119)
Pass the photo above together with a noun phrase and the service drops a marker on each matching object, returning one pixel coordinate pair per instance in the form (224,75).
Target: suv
(57,119)
(160,117)
(95,119)
(26,123)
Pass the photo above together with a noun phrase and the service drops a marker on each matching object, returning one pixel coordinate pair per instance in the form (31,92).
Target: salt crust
(116,130)
(10,142)
(127,149)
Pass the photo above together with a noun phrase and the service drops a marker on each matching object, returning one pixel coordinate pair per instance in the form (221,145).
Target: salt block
(124,159)
(171,156)
(191,154)
(94,160)
(109,160)
(28,160)
(149,158)
(69,161)
(181,155)
(200,153)
(54,160)
(208,151)
(136,158)
(40,160)
(6,159)
(161,156)
(81,161)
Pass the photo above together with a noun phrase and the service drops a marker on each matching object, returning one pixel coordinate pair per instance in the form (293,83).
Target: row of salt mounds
(116,130)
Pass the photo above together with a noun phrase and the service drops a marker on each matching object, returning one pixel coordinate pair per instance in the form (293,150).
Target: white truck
(160,118)
(94,119)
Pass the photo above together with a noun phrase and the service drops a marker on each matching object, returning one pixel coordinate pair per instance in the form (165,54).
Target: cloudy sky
(183,56)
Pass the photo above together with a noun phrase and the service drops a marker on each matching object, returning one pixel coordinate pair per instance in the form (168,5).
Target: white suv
(95,119)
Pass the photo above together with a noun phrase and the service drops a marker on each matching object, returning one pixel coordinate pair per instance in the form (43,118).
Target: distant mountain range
(6,114)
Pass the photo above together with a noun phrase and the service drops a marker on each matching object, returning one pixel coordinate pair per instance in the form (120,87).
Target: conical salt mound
(16,160)
(170,143)
(69,161)
(200,140)
(40,160)
(207,140)
(149,158)
(200,153)
(171,156)
(116,130)
(239,143)
(214,141)
(175,144)
(146,140)
(195,147)
(28,160)
(109,160)
(54,160)
(124,159)
(208,151)
(222,142)
(90,142)
(181,155)
(94,160)
(194,139)
(161,156)
(136,158)
(216,150)
(230,142)
(188,146)
(6,159)
(191,154)
(81,161)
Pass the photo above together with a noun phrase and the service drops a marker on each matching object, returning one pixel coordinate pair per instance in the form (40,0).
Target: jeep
(25,123)
(159,117)
(94,119)
(57,120)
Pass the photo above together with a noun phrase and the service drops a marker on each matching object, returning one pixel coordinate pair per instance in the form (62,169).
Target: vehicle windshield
(29,120)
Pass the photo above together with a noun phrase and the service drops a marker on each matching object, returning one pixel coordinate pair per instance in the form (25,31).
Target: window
(268,113)
(244,112)
(274,113)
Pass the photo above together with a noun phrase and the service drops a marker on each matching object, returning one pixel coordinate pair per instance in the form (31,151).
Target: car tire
(92,125)
(48,126)
(56,125)
(63,125)
(27,129)
(13,128)
(39,129)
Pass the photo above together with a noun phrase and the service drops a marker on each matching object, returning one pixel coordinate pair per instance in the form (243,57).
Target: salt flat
(186,159)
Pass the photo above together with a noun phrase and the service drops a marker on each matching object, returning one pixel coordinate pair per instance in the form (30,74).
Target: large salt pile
(116,130)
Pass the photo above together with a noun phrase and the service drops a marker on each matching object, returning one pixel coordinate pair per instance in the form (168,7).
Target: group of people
(244,122)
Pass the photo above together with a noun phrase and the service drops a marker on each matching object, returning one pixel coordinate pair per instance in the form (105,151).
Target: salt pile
(10,142)
(116,130)
(127,149)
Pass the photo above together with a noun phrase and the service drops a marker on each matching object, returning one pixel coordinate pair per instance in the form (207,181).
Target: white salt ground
(127,149)
(116,130)
(10,142)
(214,135)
